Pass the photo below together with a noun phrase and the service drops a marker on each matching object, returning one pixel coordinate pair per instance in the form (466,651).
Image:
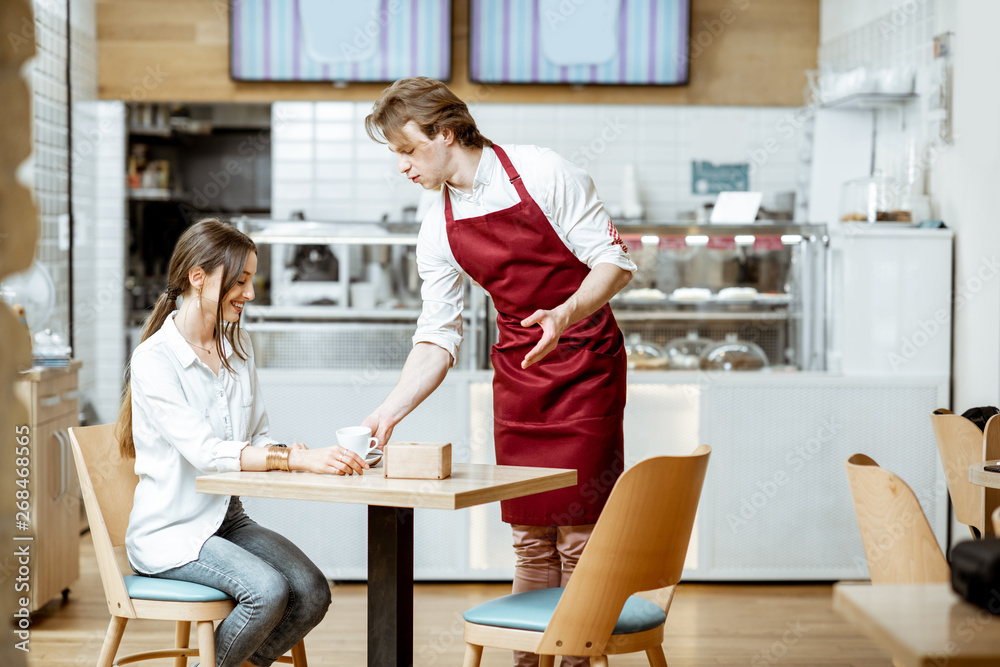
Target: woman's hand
(333,460)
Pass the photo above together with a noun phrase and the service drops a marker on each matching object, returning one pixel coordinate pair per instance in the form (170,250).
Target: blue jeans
(280,594)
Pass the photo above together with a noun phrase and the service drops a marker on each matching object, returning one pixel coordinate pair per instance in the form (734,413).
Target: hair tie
(173,293)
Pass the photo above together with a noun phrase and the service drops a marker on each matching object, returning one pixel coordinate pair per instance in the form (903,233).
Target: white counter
(776,504)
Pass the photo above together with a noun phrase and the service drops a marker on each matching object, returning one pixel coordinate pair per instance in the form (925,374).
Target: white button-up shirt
(185,421)
(563,191)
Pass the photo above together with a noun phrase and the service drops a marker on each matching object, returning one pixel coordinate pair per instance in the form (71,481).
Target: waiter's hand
(381,427)
(553,323)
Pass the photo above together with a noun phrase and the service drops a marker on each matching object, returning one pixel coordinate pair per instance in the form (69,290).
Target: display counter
(776,504)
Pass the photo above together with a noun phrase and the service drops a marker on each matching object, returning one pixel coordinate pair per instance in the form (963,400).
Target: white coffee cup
(358,439)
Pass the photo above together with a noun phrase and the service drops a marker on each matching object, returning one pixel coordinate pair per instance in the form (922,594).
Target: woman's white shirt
(186,421)
(563,191)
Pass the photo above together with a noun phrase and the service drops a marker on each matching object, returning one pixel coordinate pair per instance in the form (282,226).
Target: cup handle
(373,446)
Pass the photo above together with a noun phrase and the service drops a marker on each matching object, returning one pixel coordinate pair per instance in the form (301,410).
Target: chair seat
(532,610)
(169,590)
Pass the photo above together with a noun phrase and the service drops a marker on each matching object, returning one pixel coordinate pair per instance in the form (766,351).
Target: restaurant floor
(707,625)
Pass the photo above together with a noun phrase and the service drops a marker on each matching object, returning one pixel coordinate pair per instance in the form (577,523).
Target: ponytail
(165,305)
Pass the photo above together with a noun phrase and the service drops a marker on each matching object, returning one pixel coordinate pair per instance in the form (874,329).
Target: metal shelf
(329,313)
(762,228)
(305,232)
(156,194)
(657,315)
(337,314)
(868,101)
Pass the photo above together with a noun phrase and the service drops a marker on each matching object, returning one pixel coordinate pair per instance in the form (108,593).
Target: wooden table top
(922,624)
(984,477)
(470,484)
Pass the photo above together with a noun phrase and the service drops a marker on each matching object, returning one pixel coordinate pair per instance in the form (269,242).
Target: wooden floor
(707,625)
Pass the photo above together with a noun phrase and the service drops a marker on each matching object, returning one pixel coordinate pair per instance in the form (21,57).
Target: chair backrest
(960,444)
(995,517)
(638,544)
(107,481)
(900,546)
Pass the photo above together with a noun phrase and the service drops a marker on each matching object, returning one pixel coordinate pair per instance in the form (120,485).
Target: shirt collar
(484,175)
(185,353)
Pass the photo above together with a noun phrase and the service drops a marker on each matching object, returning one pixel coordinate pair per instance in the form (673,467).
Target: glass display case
(342,296)
(763,283)
(334,295)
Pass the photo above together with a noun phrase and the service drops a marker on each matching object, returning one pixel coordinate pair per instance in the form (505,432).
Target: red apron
(566,410)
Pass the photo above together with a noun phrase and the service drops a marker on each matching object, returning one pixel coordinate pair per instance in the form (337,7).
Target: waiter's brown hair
(428,103)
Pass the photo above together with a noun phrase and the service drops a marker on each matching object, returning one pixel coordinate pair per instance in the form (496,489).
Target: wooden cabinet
(50,396)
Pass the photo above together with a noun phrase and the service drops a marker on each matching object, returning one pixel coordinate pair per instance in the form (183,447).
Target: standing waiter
(528,226)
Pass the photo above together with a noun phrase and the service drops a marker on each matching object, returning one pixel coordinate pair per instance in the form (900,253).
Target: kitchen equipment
(632,208)
(364,295)
(733,354)
(685,353)
(642,355)
(875,198)
(407,278)
(35,291)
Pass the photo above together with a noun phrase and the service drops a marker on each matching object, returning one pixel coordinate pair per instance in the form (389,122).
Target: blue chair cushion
(532,610)
(169,590)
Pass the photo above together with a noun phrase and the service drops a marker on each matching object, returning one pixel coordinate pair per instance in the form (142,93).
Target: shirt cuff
(441,341)
(226,455)
(621,261)
(263,441)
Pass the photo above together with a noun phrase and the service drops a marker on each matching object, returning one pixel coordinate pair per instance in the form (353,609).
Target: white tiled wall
(50,158)
(102,310)
(97,154)
(901,37)
(325,164)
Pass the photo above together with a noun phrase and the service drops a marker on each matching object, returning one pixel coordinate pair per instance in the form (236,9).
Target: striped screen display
(339,40)
(638,42)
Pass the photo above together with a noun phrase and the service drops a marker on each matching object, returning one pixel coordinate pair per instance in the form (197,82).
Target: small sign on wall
(711,179)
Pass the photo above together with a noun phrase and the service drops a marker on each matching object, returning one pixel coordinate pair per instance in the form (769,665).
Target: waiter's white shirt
(185,421)
(563,191)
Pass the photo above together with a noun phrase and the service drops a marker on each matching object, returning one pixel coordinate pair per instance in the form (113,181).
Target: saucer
(373,458)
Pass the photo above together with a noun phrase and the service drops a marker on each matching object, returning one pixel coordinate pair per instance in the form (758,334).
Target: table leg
(390,586)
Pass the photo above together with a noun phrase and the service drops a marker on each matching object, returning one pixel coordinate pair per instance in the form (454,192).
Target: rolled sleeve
(159,400)
(440,320)
(578,214)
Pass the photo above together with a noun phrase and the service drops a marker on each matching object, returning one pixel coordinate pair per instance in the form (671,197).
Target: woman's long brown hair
(207,244)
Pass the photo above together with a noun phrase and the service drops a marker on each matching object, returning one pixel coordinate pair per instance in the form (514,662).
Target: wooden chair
(108,504)
(995,518)
(960,444)
(638,544)
(900,546)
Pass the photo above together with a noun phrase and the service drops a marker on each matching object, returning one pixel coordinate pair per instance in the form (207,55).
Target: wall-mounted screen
(339,40)
(612,42)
